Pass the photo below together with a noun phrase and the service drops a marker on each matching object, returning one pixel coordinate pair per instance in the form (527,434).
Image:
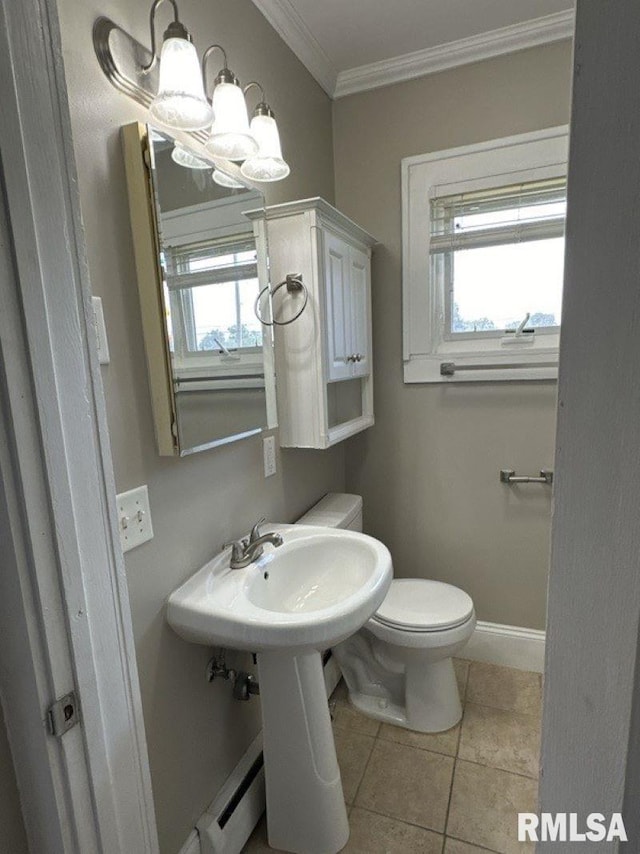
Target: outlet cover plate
(134,518)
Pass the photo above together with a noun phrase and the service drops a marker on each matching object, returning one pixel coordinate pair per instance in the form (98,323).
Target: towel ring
(293,284)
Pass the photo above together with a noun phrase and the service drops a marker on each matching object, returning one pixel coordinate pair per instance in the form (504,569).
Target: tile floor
(456,792)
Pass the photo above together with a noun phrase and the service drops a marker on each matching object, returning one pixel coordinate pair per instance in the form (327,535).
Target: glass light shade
(183,157)
(267,165)
(230,135)
(181,102)
(224,180)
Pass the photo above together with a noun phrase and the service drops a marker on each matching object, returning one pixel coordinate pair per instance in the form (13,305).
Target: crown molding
(292,29)
(505,40)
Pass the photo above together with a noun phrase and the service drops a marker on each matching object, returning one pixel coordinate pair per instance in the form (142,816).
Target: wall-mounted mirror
(201,265)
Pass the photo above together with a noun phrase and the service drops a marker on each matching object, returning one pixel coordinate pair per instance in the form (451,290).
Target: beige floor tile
(485,803)
(408,784)
(353,750)
(439,742)
(377,834)
(454,846)
(346,717)
(504,688)
(462,674)
(506,740)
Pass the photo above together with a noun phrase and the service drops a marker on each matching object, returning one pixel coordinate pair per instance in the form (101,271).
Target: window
(500,256)
(483,258)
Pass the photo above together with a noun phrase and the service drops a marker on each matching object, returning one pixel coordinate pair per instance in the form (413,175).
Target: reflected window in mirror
(211,291)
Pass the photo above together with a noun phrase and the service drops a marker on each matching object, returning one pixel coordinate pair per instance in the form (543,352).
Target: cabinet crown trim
(332,215)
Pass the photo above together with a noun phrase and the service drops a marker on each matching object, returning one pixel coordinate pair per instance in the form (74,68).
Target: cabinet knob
(350,359)
(358,357)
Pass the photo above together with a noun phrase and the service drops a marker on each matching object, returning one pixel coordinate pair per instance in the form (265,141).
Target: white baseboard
(510,646)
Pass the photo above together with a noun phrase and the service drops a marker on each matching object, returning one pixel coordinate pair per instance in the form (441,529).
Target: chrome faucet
(246,551)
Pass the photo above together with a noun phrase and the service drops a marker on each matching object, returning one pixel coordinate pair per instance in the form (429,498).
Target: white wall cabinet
(323,359)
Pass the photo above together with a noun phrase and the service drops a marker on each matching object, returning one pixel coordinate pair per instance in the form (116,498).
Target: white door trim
(63,593)
(591,720)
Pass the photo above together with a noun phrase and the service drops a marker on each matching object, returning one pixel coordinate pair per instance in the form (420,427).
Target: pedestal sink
(312,592)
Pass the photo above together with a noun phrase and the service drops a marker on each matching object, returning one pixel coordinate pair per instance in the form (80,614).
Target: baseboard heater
(229,822)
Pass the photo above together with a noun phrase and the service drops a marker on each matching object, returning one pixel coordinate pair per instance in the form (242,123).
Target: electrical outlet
(134,518)
(269,451)
(101,331)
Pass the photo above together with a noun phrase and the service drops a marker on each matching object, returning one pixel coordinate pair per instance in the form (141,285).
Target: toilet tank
(335,510)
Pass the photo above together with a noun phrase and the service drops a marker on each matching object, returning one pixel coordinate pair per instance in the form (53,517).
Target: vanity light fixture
(230,134)
(172,85)
(267,164)
(183,157)
(224,180)
(181,103)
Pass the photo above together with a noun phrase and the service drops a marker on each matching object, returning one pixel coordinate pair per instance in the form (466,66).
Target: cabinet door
(359,286)
(338,302)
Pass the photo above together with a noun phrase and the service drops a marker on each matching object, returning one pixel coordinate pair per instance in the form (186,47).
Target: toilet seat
(421,605)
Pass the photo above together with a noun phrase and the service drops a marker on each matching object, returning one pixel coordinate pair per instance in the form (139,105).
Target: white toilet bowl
(398,667)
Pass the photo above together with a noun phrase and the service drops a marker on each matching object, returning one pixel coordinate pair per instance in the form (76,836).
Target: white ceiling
(350,44)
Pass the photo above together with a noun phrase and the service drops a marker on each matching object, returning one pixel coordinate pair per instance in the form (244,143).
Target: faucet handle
(255,531)
(237,549)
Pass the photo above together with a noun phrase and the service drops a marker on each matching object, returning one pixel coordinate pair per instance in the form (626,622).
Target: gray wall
(196,732)
(12,834)
(428,470)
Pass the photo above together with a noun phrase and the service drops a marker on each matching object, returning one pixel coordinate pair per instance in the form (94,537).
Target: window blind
(531,211)
(212,263)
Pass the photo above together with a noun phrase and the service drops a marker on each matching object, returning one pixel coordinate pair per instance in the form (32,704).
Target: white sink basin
(315,590)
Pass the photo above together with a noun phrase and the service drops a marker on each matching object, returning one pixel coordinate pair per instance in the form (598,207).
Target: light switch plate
(134,518)
(101,331)
(269,451)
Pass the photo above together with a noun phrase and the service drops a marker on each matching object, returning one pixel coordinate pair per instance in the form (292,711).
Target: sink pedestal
(306,813)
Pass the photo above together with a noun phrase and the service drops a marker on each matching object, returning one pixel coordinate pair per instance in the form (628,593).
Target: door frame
(591,720)
(64,602)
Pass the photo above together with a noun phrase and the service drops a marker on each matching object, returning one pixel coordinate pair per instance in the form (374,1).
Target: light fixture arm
(261,108)
(225,75)
(258,86)
(176,26)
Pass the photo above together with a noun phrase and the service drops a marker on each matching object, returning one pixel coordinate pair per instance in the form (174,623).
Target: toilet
(399,666)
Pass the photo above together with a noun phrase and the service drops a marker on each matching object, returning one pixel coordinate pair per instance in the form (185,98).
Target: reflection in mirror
(213,267)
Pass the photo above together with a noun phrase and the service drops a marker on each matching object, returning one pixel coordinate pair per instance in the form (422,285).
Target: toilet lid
(420,605)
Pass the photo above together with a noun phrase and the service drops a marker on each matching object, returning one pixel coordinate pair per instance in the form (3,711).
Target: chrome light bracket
(123,60)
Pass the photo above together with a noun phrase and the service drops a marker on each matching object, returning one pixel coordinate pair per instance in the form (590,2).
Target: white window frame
(497,163)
